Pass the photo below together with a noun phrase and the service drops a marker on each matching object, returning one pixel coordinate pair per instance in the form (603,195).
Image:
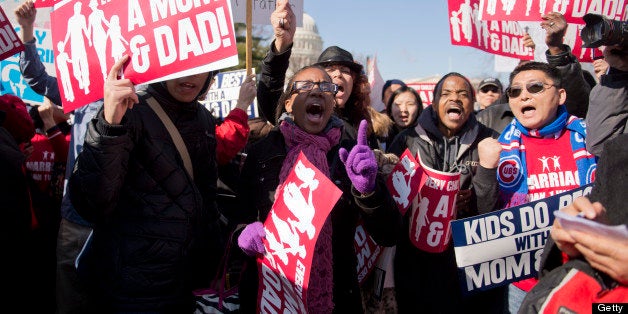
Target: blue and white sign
(11,80)
(505,246)
(223,94)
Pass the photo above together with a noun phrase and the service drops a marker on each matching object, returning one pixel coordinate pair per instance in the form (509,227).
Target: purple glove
(360,163)
(250,240)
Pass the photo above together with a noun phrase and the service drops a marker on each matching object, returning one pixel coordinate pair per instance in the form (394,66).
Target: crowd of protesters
(136,175)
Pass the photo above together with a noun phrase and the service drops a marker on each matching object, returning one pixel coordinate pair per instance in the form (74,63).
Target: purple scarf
(315,147)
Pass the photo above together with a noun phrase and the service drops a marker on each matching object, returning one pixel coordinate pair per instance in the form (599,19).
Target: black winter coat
(429,281)
(260,178)
(156,234)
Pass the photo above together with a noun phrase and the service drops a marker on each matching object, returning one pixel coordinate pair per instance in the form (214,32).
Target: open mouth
(187,85)
(314,111)
(454,113)
(528,110)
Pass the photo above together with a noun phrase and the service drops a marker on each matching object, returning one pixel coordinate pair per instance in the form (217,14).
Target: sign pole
(249,39)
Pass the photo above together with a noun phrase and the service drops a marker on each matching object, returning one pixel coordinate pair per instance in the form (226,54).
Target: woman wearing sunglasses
(544,143)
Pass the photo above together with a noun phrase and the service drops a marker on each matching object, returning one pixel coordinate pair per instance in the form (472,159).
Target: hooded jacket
(430,280)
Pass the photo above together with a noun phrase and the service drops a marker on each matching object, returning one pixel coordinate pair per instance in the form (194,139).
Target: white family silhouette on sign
(92,29)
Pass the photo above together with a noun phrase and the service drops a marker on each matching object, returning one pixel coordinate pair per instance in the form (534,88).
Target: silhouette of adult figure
(77,29)
(98,35)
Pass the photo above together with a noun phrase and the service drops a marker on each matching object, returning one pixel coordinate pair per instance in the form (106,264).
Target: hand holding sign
(360,163)
(119,94)
(250,240)
(248,91)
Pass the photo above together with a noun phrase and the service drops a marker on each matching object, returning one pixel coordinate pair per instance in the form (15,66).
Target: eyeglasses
(306,86)
(489,88)
(532,88)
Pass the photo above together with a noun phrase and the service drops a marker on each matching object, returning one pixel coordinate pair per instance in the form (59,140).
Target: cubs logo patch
(591,173)
(509,171)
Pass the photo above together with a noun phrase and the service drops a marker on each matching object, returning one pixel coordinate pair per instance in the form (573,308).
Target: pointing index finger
(362,132)
(115,69)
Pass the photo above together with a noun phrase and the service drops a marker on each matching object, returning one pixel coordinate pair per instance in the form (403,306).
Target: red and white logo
(509,172)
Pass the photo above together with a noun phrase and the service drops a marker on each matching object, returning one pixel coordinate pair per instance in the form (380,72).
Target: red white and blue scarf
(512,170)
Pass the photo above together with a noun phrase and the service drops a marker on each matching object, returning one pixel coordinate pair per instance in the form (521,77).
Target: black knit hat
(337,55)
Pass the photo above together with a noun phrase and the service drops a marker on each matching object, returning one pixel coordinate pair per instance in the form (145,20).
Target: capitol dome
(307,45)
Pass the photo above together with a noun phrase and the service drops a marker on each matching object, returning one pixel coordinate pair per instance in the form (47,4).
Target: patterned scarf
(514,188)
(315,147)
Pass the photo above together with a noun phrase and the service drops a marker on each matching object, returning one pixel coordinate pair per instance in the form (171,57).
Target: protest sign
(497,37)
(292,228)
(532,10)
(10,43)
(366,250)
(164,39)
(425,90)
(431,196)
(505,246)
(433,209)
(11,79)
(403,181)
(262,10)
(223,94)
(48,3)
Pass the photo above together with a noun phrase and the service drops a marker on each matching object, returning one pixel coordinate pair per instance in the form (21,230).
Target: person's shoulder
(271,141)
(496,108)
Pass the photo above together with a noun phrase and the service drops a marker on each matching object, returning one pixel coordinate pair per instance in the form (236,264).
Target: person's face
(535,110)
(404,109)
(186,89)
(311,110)
(487,95)
(454,106)
(341,76)
(388,92)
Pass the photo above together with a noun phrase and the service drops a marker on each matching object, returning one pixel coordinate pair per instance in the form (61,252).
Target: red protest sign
(10,43)
(47,3)
(433,209)
(404,180)
(165,40)
(425,90)
(497,37)
(532,10)
(292,227)
(367,251)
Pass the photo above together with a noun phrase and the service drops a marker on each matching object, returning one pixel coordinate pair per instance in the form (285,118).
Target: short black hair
(389,83)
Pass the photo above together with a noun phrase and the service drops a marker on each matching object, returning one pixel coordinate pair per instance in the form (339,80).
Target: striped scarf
(513,185)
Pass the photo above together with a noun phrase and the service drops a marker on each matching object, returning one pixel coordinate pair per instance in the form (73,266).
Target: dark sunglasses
(490,88)
(532,88)
(306,86)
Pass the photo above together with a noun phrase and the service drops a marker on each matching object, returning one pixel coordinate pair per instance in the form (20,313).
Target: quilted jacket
(156,234)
